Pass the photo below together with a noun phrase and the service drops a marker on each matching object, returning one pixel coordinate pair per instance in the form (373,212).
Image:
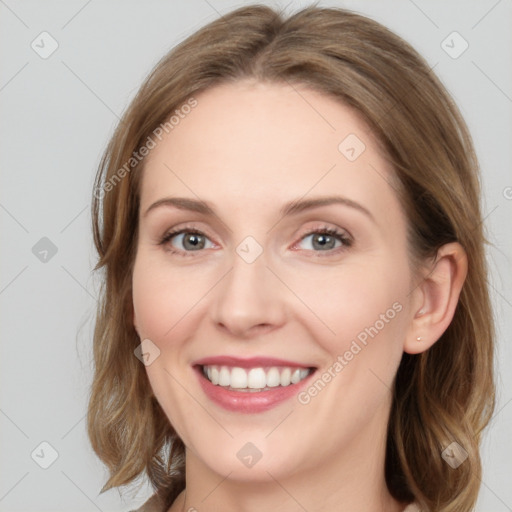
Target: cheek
(347,301)
(163,301)
(164,297)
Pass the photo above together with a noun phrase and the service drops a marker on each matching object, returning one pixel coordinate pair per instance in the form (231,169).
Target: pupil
(193,240)
(323,239)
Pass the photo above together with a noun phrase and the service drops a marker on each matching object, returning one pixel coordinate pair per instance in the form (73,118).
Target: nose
(249,300)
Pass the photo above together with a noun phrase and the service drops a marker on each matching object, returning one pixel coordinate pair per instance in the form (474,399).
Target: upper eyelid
(306,231)
(342,233)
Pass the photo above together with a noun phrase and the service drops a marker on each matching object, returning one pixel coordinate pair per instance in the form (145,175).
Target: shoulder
(413,507)
(153,504)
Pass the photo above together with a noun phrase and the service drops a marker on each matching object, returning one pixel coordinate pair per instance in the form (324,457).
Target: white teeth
(295,376)
(238,378)
(214,377)
(255,378)
(273,378)
(224,377)
(286,376)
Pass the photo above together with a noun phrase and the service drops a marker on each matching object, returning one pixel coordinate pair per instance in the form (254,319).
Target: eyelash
(341,236)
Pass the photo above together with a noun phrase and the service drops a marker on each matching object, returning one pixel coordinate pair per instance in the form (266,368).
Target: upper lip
(249,362)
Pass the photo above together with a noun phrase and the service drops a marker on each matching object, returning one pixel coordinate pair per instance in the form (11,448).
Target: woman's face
(300,332)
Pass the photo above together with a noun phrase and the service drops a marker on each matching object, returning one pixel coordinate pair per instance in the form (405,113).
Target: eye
(189,239)
(324,239)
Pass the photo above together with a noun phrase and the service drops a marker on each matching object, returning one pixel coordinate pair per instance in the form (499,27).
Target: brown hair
(443,395)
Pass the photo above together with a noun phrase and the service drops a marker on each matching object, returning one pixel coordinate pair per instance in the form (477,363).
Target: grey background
(57,115)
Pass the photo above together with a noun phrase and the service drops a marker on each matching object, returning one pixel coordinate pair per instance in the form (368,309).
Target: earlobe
(438,295)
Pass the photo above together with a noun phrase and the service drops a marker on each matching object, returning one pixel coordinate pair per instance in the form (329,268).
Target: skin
(248,148)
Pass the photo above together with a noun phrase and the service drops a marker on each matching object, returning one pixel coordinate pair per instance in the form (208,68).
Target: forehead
(256,143)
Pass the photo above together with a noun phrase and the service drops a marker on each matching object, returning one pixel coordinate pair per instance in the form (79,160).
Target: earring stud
(419,338)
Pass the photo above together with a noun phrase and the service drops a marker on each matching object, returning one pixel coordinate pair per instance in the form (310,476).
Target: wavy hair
(443,395)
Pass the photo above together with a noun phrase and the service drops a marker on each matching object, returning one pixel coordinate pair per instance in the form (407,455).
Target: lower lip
(246,401)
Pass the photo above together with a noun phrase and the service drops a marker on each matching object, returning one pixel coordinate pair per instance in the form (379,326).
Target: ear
(436,298)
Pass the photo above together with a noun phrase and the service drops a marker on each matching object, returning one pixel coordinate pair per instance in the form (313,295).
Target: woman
(295,313)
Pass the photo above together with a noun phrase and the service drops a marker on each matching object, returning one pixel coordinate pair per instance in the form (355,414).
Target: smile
(251,385)
(254,379)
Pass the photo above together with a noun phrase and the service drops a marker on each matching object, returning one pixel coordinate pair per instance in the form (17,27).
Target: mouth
(251,385)
(254,380)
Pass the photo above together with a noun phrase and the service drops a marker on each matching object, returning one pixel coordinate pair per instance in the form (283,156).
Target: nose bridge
(249,295)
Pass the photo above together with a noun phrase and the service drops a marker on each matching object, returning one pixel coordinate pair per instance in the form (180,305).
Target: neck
(352,481)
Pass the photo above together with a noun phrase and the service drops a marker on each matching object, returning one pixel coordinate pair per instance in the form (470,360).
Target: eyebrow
(291,208)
